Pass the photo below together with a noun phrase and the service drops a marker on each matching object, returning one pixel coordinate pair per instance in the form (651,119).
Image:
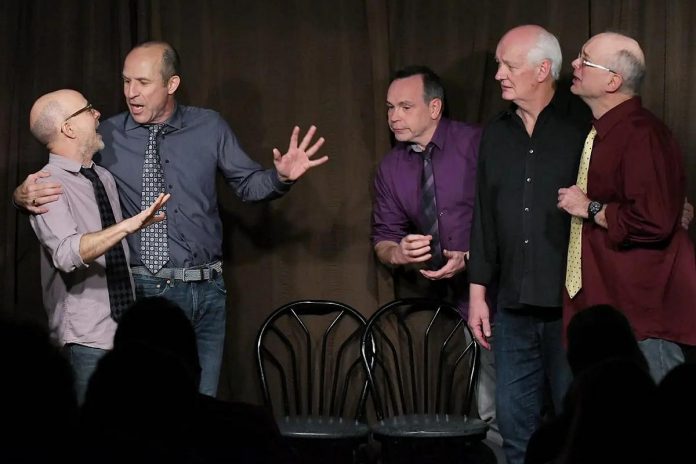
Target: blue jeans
(529,355)
(203,302)
(662,356)
(83,360)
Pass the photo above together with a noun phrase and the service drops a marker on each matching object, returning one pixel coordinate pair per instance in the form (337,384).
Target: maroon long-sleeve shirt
(644,263)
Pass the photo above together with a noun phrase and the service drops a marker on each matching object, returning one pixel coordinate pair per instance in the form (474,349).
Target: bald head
(538,45)
(48,113)
(623,55)
(169,65)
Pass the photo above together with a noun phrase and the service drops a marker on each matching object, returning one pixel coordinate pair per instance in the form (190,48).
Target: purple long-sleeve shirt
(396,207)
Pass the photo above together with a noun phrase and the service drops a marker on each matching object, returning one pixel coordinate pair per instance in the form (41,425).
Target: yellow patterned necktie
(573,280)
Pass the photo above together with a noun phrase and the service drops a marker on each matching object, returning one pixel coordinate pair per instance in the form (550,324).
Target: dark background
(268,65)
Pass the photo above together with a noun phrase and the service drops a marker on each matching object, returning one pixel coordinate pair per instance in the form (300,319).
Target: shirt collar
(559,101)
(439,137)
(615,115)
(176,120)
(65,163)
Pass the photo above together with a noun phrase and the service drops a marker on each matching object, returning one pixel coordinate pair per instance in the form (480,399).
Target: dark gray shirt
(194,144)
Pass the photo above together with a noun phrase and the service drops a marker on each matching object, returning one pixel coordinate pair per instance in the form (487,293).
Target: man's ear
(615,83)
(544,70)
(68,130)
(173,84)
(435,107)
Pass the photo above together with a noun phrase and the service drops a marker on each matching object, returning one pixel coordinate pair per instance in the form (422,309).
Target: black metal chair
(422,364)
(309,363)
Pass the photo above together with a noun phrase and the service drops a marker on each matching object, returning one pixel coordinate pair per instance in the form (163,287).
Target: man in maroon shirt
(634,254)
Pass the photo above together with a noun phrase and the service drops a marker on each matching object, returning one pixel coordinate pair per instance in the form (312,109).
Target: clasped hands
(415,248)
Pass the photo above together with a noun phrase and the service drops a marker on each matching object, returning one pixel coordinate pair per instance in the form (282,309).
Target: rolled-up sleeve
(653,192)
(389,221)
(57,233)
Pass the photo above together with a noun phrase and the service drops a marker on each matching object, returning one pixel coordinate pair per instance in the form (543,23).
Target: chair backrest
(420,358)
(309,363)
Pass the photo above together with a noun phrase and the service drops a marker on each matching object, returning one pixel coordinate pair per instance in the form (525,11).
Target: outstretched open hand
(293,164)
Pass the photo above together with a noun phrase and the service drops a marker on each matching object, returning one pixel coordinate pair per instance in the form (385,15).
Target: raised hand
(293,164)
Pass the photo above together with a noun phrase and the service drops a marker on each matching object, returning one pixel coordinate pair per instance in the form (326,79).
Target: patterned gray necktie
(429,210)
(154,249)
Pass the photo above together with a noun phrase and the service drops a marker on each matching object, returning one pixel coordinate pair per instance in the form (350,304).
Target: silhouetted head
(599,333)
(610,405)
(37,397)
(677,393)
(162,324)
(140,400)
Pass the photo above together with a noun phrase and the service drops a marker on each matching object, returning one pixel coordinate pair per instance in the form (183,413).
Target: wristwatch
(592,209)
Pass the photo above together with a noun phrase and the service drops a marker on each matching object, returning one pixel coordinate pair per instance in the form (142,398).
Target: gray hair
(44,128)
(631,69)
(547,48)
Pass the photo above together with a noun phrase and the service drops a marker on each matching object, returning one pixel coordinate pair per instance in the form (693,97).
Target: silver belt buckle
(193,278)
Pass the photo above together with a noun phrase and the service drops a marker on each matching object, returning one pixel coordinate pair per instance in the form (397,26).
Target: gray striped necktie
(429,209)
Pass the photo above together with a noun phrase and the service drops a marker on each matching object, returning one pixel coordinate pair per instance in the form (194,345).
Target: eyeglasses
(80,111)
(586,62)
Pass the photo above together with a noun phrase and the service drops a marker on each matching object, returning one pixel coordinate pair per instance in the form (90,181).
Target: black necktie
(117,275)
(154,248)
(429,209)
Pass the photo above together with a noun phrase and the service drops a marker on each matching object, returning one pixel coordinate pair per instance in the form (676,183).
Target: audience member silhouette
(677,408)
(600,333)
(613,412)
(140,404)
(37,399)
(216,431)
(596,336)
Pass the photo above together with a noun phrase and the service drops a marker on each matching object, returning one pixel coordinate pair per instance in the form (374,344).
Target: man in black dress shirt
(519,237)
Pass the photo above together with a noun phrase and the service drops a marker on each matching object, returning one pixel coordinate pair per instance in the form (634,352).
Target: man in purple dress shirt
(415,103)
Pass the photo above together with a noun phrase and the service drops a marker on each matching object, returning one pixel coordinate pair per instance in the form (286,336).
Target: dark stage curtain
(266,66)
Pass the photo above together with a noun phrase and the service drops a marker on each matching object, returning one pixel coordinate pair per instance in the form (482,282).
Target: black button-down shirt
(519,236)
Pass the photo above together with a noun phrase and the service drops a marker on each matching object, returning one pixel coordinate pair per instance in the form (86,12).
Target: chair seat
(430,426)
(321,427)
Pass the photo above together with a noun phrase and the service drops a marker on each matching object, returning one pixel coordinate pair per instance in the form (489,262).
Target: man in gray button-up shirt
(73,242)
(194,144)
